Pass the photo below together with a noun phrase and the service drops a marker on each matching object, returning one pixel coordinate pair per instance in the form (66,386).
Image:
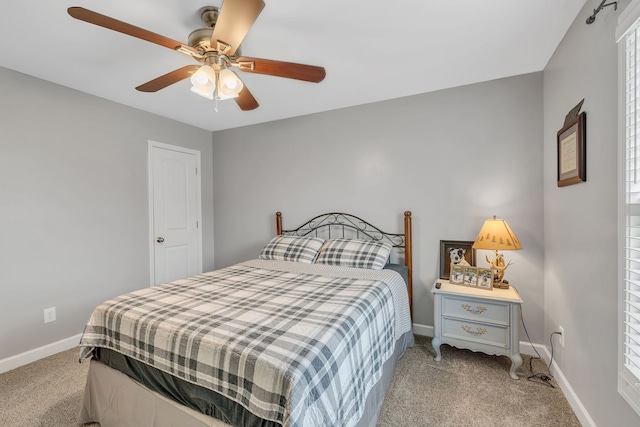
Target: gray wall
(74,217)
(454,158)
(580,220)
(73,196)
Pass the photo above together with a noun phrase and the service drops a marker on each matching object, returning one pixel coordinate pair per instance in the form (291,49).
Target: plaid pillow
(354,253)
(292,248)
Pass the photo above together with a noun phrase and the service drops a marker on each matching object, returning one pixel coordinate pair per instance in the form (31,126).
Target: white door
(174,192)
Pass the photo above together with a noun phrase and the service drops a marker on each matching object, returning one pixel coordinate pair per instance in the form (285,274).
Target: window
(628,36)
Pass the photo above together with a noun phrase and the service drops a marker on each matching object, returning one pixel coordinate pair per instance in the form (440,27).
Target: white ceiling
(371,50)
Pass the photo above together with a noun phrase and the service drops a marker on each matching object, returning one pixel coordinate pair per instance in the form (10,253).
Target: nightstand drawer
(478,320)
(477,310)
(478,332)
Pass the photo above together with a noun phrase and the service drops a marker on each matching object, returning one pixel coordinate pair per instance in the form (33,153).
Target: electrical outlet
(49,315)
(561,330)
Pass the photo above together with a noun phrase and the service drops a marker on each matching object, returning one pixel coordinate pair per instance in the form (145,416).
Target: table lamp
(496,235)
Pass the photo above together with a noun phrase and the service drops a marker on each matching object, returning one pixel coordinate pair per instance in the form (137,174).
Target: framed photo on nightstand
(476,277)
(457,274)
(470,276)
(452,252)
(485,278)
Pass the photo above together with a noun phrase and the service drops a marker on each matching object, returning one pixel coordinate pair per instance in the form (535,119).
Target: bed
(307,334)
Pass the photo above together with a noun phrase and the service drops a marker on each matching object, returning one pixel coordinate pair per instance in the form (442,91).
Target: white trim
(530,349)
(423,330)
(30,356)
(418,329)
(152,269)
(627,384)
(571,396)
(627,19)
(196,153)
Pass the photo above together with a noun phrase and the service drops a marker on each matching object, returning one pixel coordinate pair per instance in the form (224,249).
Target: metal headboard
(338,224)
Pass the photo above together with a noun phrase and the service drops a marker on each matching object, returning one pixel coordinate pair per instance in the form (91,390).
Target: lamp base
(504,284)
(498,265)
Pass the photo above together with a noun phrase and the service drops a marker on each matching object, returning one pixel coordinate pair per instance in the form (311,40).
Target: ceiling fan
(217,47)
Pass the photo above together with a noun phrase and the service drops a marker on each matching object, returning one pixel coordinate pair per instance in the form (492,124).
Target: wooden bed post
(408,260)
(278,223)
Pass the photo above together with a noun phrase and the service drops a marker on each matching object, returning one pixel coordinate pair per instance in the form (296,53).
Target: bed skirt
(111,398)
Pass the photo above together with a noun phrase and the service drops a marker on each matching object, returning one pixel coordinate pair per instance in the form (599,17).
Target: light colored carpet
(464,389)
(46,393)
(470,389)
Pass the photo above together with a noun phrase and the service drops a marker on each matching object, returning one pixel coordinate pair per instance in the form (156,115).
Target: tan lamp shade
(496,235)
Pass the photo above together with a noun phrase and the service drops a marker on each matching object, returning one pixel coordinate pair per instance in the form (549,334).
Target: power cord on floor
(540,378)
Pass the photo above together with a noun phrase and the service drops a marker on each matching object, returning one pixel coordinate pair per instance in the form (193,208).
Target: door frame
(151,146)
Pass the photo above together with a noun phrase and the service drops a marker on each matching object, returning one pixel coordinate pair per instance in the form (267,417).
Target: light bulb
(230,84)
(203,82)
(200,79)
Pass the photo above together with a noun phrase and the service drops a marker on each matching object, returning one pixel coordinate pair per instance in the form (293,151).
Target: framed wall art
(572,151)
(453,251)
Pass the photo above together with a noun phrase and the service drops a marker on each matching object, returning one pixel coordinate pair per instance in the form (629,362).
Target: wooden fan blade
(245,100)
(168,79)
(234,21)
(290,70)
(131,30)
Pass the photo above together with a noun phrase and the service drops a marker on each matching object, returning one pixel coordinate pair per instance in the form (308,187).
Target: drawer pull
(478,331)
(478,310)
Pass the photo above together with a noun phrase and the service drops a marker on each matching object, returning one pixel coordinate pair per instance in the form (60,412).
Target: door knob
(160,239)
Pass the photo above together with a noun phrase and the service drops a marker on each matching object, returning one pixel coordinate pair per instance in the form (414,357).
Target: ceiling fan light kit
(203,81)
(217,48)
(229,85)
(221,84)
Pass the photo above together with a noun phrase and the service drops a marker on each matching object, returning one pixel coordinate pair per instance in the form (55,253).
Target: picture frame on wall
(572,151)
(461,248)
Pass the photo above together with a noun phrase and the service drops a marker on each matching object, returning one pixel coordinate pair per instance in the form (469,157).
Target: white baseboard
(542,351)
(577,406)
(424,330)
(530,349)
(27,357)
(418,329)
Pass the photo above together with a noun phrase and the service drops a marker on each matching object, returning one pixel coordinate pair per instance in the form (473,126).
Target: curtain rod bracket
(592,18)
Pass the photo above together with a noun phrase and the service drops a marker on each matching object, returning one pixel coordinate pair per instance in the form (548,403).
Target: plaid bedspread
(299,344)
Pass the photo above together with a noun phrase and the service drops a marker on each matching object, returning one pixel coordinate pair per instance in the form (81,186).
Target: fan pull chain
(216,104)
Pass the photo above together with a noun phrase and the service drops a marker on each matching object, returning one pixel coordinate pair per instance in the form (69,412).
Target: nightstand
(478,320)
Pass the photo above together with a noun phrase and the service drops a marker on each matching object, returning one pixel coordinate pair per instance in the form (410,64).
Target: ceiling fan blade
(122,27)
(245,100)
(290,70)
(168,79)
(234,21)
